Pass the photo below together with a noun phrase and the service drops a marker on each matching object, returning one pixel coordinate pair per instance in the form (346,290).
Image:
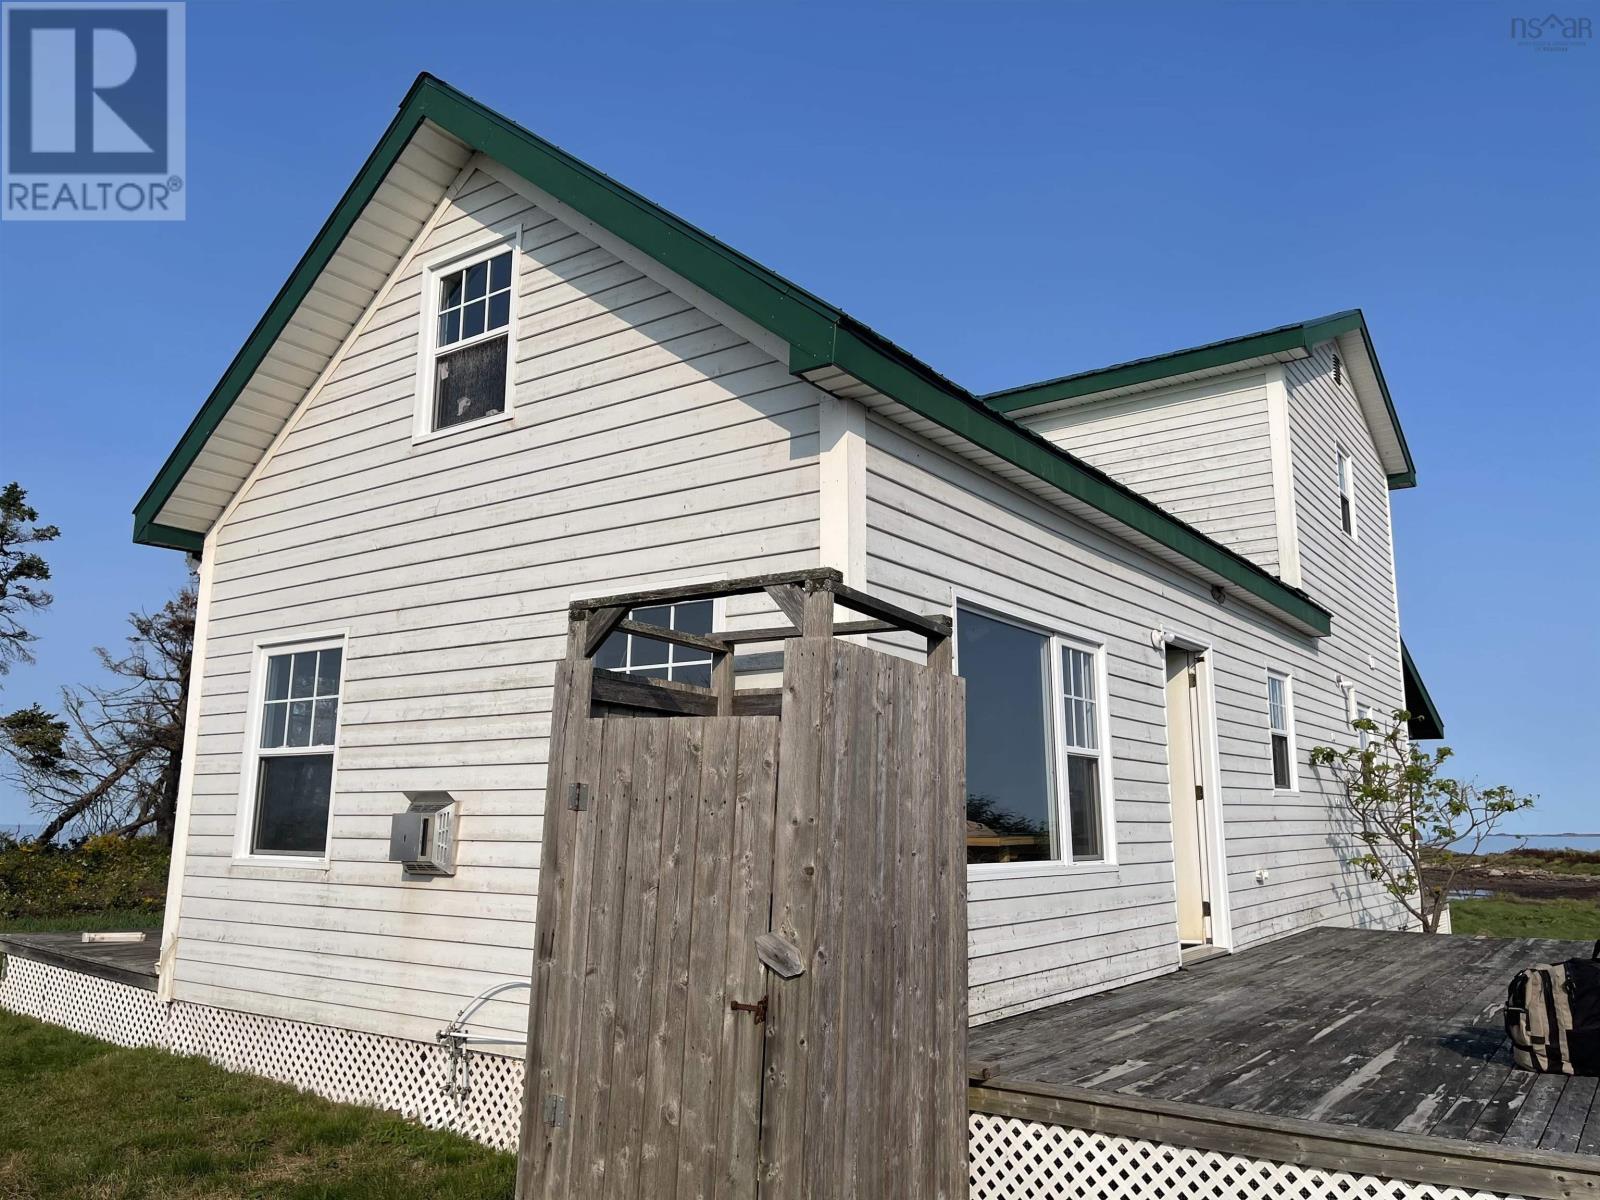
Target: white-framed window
(1364,736)
(1038,758)
(292,744)
(1280,725)
(655,659)
(1347,492)
(469,320)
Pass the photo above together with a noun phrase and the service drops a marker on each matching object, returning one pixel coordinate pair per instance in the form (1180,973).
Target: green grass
(84,1120)
(1510,917)
(111,919)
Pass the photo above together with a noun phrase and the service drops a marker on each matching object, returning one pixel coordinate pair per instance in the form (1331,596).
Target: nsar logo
(93,121)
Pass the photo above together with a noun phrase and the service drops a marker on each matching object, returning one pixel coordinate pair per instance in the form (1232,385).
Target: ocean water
(1541,841)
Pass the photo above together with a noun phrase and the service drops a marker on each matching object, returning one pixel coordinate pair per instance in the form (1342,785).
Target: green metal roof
(1426,724)
(817,333)
(1300,336)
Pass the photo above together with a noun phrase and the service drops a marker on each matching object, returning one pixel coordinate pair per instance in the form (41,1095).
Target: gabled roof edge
(1426,724)
(816,332)
(1302,335)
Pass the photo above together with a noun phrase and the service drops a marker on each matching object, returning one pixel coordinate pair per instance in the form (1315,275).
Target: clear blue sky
(1012,191)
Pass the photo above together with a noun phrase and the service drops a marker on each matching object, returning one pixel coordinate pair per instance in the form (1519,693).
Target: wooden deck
(133,963)
(1391,1032)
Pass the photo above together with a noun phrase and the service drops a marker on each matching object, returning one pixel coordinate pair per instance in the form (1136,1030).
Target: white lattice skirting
(410,1078)
(1011,1159)
(1031,1160)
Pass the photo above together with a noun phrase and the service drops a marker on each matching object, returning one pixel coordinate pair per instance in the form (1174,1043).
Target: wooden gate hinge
(555,1110)
(578,796)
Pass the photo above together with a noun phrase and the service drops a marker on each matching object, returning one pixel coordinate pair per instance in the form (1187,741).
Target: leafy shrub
(100,873)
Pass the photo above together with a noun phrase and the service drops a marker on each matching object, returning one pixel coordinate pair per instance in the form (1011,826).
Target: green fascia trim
(1149,370)
(1426,724)
(1300,336)
(272,322)
(818,334)
(765,297)
(900,377)
(172,538)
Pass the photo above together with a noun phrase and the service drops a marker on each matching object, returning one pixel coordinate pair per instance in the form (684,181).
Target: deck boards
(133,963)
(1388,1031)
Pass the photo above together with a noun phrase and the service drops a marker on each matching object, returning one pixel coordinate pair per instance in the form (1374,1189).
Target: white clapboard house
(499,380)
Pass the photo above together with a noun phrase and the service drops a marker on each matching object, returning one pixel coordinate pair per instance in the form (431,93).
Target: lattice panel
(1029,1160)
(112,1012)
(403,1076)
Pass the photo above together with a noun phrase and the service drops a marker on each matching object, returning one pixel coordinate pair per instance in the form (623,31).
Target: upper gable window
(471,303)
(1347,492)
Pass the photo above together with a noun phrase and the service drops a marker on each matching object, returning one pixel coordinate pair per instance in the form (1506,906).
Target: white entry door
(1186,726)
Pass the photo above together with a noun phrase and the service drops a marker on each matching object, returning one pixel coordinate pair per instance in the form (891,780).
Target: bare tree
(109,762)
(21,571)
(1408,816)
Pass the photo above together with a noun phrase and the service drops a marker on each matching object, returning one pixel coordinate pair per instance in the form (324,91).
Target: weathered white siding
(650,444)
(1203,452)
(1040,935)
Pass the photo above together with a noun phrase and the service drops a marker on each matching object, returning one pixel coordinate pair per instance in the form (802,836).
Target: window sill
(281,862)
(449,431)
(1286,792)
(978,872)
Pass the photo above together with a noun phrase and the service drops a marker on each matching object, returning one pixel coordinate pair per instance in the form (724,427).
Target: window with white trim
(469,319)
(295,736)
(1038,770)
(1364,713)
(1280,723)
(1080,740)
(654,659)
(1347,492)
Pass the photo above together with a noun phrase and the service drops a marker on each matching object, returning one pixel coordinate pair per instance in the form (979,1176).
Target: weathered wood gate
(825,819)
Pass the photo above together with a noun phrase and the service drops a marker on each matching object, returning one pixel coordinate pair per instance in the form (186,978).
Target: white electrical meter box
(423,838)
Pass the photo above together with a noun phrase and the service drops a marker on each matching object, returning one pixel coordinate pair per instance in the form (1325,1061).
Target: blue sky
(1012,191)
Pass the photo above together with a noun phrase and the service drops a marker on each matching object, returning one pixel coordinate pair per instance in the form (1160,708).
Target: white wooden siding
(1201,452)
(649,444)
(1041,935)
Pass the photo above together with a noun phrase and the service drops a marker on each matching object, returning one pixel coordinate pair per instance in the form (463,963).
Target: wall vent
(423,838)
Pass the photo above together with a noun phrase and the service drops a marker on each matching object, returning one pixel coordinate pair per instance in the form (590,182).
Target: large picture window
(1037,784)
(469,322)
(294,739)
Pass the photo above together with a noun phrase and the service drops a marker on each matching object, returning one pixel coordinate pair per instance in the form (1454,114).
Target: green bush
(128,874)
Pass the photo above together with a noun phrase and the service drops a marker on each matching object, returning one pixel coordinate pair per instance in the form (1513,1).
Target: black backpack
(1553,1016)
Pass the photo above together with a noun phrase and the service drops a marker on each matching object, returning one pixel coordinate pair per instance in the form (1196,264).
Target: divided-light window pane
(652,658)
(470,368)
(294,768)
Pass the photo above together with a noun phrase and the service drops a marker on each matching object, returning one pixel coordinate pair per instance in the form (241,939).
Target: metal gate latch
(758,1010)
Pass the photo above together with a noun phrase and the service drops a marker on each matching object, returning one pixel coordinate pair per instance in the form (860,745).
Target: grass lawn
(1510,917)
(98,922)
(84,1120)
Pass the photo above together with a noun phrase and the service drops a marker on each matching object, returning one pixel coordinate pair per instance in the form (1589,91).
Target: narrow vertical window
(1347,493)
(1080,712)
(1364,713)
(1280,722)
(293,768)
(470,317)
(655,659)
